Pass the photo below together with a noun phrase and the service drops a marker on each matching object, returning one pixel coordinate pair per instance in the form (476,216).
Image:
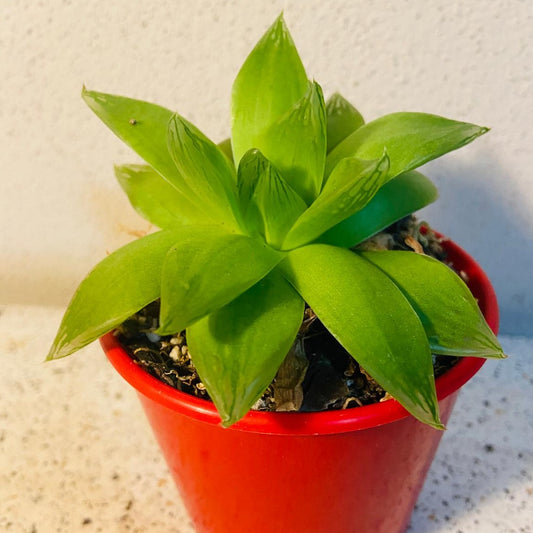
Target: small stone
(175,353)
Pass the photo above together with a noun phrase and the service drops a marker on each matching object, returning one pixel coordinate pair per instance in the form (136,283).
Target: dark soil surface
(318,373)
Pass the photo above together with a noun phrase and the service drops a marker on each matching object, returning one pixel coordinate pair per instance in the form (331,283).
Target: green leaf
(238,349)
(269,205)
(120,285)
(411,139)
(449,313)
(206,170)
(143,127)
(270,81)
(296,144)
(372,319)
(207,268)
(398,198)
(152,196)
(225,148)
(342,120)
(352,184)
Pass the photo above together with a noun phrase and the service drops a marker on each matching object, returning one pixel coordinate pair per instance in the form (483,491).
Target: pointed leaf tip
(367,313)
(269,205)
(449,313)
(411,138)
(151,196)
(149,139)
(269,82)
(399,197)
(115,289)
(220,344)
(296,143)
(342,120)
(351,186)
(205,169)
(280,21)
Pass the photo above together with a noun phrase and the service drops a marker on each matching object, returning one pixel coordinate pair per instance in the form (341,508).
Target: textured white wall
(60,209)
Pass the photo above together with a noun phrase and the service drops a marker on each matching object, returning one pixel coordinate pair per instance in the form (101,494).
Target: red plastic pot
(356,470)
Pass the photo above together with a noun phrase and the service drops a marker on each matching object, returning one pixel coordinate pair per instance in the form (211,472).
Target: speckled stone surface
(76,453)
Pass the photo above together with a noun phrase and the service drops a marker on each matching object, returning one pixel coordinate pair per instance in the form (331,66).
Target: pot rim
(322,422)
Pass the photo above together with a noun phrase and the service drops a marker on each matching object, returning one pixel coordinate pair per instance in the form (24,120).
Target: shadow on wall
(481,210)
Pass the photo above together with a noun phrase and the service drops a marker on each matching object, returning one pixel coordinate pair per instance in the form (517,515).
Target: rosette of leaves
(254,228)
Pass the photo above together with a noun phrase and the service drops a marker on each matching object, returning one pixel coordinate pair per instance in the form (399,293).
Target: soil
(318,373)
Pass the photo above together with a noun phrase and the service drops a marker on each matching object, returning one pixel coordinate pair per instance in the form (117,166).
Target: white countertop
(76,453)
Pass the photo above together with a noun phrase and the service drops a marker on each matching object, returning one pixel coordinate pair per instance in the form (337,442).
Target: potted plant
(259,236)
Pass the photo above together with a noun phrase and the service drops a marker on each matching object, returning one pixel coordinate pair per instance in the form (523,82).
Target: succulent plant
(256,227)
